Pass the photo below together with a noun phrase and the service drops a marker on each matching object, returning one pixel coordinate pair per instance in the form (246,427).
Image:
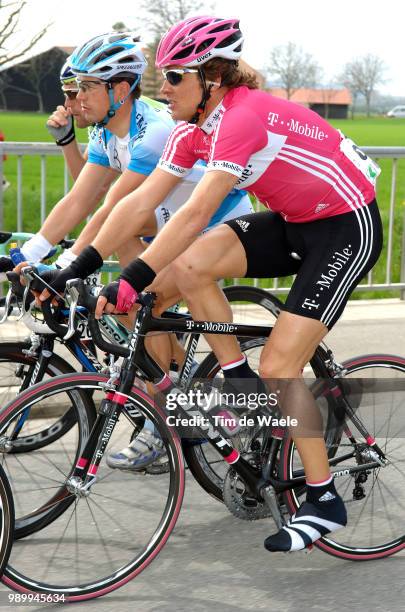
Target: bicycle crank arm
(270,497)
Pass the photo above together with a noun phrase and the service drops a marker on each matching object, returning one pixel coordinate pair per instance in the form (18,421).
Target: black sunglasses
(175,75)
(70,93)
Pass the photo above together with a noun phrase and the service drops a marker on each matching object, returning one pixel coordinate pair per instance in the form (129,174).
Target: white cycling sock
(36,248)
(66,258)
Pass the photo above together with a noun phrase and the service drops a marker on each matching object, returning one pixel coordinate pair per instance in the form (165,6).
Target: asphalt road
(214,561)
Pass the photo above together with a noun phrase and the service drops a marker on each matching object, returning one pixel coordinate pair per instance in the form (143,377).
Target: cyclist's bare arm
(81,200)
(133,212)
(185,226)
(127,182)
(74,158)
(72,152)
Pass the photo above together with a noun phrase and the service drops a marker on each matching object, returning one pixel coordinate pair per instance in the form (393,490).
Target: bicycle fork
(85,473)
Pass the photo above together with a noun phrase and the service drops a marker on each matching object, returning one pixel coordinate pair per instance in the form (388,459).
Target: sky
(333,32)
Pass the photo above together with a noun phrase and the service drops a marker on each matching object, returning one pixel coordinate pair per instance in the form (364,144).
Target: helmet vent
(229,40)
(198,27)
(221,28)
(204,45)
(183,54)
(117,37)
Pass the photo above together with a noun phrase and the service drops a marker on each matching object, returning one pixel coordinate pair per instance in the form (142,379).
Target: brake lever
(24,304)
(73,294)
(27,273)
(7,303)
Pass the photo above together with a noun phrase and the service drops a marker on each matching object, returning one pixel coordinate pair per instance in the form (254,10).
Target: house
(33,84)
(329,103)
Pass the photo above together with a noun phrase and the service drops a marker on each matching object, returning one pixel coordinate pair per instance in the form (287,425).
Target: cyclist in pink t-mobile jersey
(323,225)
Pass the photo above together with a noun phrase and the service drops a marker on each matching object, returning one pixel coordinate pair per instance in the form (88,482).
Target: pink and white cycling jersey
(290,158)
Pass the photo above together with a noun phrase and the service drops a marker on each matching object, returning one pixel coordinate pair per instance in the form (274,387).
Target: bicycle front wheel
(111,532)
(33,467)
(375,498)
(6,520)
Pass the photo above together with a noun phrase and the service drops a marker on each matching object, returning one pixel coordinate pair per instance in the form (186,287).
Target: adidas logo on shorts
(243,224)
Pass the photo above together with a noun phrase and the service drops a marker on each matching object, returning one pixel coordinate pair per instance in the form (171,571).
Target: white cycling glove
(63,134)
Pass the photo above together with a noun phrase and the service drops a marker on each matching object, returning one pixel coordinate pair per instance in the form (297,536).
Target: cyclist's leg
(336,253)
(231,250)
(288,350)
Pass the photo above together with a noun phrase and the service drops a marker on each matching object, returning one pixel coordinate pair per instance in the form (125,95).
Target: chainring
(239,500)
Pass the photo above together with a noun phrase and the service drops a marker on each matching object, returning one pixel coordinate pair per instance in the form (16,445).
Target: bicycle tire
(248,294)
(6,520)
(19,465)
(199,464)
(244,296)
(364,537)
(65,560)
(13,352)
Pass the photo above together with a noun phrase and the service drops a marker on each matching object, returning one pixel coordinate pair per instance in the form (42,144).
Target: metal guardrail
(45,150)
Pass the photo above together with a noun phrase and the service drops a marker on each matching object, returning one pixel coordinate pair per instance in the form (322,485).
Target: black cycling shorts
(329,256)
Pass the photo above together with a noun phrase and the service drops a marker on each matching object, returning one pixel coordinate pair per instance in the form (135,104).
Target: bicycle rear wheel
(38,429)
(205,463)
(250,306)
(105,538)
(6,520)
(375,499)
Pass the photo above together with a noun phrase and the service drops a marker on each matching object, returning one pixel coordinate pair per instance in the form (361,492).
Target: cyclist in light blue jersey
(129,136)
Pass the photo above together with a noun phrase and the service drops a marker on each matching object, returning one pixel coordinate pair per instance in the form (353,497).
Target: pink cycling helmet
(196,40)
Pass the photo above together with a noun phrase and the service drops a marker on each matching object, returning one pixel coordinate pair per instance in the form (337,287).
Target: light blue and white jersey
(140,151)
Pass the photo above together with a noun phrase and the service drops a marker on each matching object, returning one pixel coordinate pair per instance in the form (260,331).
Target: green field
(30,127)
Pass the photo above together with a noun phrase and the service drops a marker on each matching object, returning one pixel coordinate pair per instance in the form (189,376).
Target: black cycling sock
(308,524)
(242,387)
(242,370)
(319,494)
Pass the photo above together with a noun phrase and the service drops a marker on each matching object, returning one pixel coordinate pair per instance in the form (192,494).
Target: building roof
(315,96)
(68,50)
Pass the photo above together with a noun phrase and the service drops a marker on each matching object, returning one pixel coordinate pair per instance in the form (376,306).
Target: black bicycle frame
(137,358)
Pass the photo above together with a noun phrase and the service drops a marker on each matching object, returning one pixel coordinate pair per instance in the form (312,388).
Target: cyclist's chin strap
(205,97)
(114,106)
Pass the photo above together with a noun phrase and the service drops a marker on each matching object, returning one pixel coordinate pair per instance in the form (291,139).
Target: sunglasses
(85,86)
(174,76)
(70,93)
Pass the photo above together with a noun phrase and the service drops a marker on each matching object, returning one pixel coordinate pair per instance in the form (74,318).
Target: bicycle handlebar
(89,301)
(29,274)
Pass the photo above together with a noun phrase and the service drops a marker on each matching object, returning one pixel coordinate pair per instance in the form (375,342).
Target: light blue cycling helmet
(118,54)
(110,57)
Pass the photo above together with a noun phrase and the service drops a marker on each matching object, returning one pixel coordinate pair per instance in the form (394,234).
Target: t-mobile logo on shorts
(339,261)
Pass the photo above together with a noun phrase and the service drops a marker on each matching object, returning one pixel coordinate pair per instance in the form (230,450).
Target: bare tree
(10,17)
(163,14)
(152,78)
(160,15)
(363,75)
(293,68)
(38,68)
(4,84)
(119,27)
